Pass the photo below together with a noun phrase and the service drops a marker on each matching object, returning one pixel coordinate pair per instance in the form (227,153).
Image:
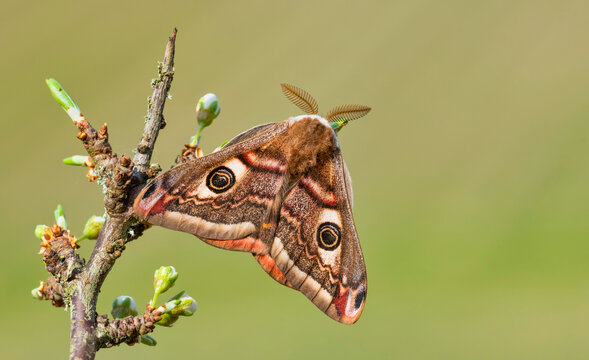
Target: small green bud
(64,100)
(207,110)
(40,230)
(78,160)
(60,217)
(92,228)
(148,340)
(36,292)
(179,305)
(163,279)
(60,95)
(123,306)
(221,146)
(193,139)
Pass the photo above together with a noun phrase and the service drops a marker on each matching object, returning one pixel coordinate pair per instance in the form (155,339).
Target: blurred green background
(471,174)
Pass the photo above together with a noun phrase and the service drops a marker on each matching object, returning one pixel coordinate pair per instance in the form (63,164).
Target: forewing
(189,197)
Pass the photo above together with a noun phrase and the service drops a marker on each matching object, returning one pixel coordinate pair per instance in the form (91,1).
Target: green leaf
(61,95)
(60,217)
(148,340)
(76,160)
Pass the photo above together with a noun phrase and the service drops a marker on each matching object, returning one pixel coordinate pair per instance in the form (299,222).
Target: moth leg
(270,267)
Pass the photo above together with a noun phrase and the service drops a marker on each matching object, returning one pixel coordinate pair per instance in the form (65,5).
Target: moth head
(338,117)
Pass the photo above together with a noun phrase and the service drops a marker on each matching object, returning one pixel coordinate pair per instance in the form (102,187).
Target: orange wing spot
(254,160)
(327,197)
(266,225)
(248,244)
(270,267)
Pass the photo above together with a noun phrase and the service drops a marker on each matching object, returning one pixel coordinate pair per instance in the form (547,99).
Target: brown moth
(282,192)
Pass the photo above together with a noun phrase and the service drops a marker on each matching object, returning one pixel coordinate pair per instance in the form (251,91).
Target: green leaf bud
(148,340)
(36,292)
(78,160)
(207,109)
(64,100)
(221,146)
(163,279)
(179,305)
(60,217)
(40,231)
(60,94)
(123,306)
(92,228)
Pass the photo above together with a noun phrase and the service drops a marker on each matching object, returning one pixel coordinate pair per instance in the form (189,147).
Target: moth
(282,192)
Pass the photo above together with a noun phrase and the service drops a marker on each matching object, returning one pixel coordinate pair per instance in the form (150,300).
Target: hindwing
(316,245)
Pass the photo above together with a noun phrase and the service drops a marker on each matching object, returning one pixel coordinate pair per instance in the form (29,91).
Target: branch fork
(76,283)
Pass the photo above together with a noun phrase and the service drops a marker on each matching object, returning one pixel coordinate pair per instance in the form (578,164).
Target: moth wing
(184,198)
(250,133)
(328,269)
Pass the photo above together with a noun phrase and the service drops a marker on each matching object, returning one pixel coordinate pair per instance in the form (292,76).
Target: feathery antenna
(341,115)
(347,112)
(300,98)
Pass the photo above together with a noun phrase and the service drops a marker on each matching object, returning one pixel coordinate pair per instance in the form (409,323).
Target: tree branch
(155,120)
(79,284)
(51,290)
(126,330)
(96,144)
(108,248)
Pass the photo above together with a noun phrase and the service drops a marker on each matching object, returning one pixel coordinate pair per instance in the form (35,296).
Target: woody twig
(76,283)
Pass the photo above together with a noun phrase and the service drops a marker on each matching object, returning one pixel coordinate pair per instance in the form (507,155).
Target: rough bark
(77,284)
